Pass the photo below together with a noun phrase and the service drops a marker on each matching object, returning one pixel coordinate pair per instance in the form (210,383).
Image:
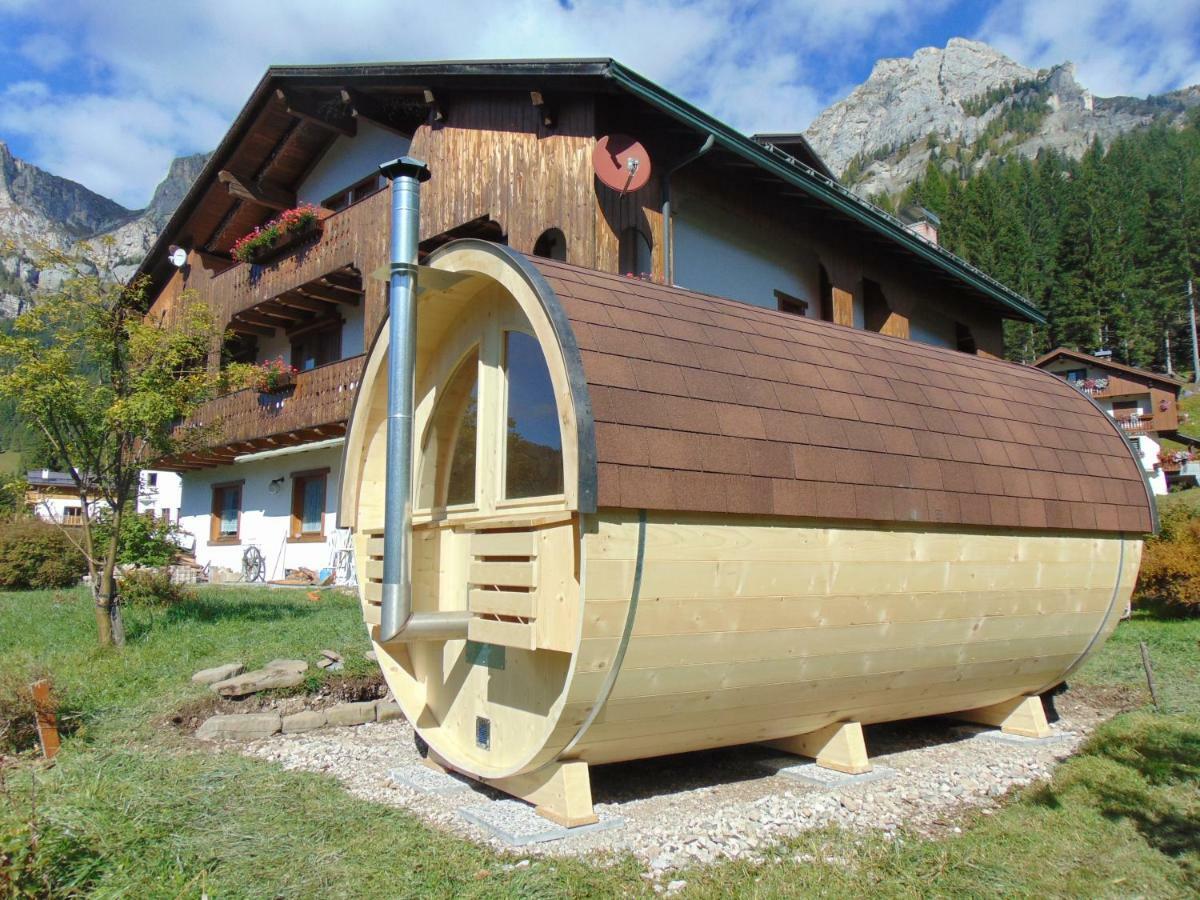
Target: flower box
(286,231)
(274,376)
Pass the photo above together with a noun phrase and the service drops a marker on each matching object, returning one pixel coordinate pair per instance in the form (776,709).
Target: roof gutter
(825,189)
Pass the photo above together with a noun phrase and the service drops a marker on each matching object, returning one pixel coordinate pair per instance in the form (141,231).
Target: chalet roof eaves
(825,189)
(1106,363)
(818,185)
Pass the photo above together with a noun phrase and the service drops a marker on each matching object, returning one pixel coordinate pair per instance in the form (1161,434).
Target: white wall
(266,517)
(350,160)
(722,254)
(1149,449)
(166,493)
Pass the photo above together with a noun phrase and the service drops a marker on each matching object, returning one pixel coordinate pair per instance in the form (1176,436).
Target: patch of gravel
(696,808)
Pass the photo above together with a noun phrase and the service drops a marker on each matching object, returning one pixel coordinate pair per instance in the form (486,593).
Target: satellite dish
(178,257)
(621,163)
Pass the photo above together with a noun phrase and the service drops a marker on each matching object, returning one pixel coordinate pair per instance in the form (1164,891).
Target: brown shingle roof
(711,405)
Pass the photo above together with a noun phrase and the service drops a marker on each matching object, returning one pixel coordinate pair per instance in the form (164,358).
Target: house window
(360,190)
(317,346)
(825,289)
(226,513)
(533,465)
(789,304)
(165,513)
(1137,444)
(308,505)
(633,252)
(551,245)
(1074,375)
(448,470)
(964,340)
(152,479)
(72,515)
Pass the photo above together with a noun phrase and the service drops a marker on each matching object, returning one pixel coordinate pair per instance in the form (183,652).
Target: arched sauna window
(551,245)
(448,471)
(633,252)
(533,463)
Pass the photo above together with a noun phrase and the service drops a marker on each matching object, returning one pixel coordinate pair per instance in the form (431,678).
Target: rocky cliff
(966,104)
(39,210)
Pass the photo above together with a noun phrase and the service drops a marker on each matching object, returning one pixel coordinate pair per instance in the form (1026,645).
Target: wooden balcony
(314,408)
(1135,424)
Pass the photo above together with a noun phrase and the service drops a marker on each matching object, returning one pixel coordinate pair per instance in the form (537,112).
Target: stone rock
(387,711)
(372,656)
(885,121)
(258,680)
(218,673)
(287,665)
(351,713)
(249,727)
(306,720)
(331,655)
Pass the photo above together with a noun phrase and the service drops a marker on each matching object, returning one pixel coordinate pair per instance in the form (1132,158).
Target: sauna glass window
(308,505)
(226,512)
(533,465)
(448,467)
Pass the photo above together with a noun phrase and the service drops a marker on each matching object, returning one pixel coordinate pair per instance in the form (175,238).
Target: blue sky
(108,93)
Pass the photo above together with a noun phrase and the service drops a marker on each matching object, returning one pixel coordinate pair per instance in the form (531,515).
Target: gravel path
(699,807)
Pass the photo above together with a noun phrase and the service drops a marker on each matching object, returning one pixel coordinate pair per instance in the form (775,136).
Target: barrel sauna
(680,522)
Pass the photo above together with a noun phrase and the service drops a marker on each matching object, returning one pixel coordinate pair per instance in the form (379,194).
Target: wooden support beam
(839,746)
(306,109)
(264,194)
(254,318)
(1021,715)
(436,112)
(371,108)
(329,294)
(342,281)
(283,314)
(560,792)
(546,111)
(239,327)
(298,302)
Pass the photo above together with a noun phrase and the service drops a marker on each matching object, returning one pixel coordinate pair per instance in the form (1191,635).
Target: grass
(134,810)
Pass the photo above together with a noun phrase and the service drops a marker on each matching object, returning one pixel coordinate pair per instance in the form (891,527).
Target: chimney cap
(406,165)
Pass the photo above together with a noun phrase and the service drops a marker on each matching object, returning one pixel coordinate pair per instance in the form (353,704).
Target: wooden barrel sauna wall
(683,522)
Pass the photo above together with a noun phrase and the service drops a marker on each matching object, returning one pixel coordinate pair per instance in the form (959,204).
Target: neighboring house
(510,146)
(53,496)
(159,494)
(1145,404)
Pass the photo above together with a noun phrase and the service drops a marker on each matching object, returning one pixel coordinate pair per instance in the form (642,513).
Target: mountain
(39,210)
(965,105)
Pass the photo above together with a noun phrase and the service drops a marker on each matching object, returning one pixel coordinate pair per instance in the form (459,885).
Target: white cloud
(45,51)
(167,79)
(1119,47)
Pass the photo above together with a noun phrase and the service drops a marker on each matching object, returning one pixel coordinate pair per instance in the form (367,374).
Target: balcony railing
(1134,424)
(319,397)
(356,237)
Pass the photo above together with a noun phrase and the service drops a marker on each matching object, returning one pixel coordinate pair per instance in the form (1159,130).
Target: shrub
(152,587)
(1169,579)
(35,554)
(145,540)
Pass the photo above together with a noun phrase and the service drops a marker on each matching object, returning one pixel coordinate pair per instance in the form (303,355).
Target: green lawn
(133,810)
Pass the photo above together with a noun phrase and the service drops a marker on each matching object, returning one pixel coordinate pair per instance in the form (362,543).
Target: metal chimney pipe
(397,619)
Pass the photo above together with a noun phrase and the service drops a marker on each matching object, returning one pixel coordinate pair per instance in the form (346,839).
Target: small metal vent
(483,732)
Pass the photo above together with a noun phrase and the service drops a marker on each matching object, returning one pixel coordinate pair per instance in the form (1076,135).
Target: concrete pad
(818,776)
(426,780)
(516,823)
(995,734)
